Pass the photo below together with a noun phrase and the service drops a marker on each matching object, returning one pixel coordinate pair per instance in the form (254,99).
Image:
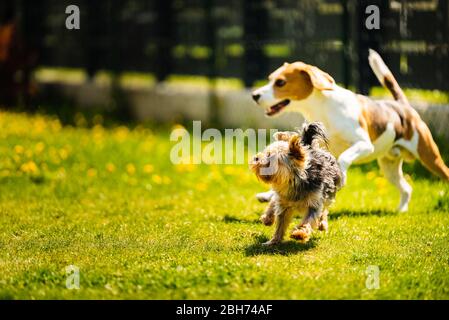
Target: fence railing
(244,39)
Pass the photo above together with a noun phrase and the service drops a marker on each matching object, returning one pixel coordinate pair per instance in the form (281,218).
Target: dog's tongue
(277,107)
(273,110)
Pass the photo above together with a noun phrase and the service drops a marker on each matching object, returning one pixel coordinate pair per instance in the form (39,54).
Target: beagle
(360,129)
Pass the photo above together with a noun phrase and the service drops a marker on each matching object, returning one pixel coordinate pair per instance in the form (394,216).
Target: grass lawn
(110,202)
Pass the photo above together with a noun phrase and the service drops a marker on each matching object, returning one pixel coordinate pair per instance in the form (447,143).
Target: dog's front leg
(269,215)
(283,219)
(357,151)
(265,196)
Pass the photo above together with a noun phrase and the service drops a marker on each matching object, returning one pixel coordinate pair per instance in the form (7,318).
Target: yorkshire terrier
(304,176)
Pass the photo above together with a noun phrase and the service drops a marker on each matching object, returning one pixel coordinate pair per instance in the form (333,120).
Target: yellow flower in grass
(156,179)
(63,153)
(44,166)
(56,125)
(215,175)
(16,158)
(130,169)
(371,175)
(91,172)
(19,149)
(381,184)
(166,180)
(132,181)
(110,167)
(201,186)
(98,133)
(121,133)
(29,167)
(39,125)
(185,167)
(4,173)
(230,171)
(40,146)
(148,168)
(60,173)
(54,155)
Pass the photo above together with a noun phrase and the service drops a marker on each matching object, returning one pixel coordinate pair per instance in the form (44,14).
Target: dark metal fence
(244,39)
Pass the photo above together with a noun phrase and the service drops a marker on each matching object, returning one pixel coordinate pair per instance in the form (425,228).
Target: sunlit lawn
(110,202)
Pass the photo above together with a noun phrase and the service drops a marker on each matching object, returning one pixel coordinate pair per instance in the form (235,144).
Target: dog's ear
(320,79)
(296,151)
(283,135)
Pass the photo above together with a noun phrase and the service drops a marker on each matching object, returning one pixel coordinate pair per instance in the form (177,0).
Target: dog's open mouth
(277,107)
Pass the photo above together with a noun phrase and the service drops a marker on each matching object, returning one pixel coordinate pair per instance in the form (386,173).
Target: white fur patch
(378,66)
(382,145)
(410,145)
(267,98)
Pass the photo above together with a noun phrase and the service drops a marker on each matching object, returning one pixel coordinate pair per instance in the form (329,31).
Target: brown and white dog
(360,129)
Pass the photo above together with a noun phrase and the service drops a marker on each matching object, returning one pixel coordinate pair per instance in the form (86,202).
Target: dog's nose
(256,97)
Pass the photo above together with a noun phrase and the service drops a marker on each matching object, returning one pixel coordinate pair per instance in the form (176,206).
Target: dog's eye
(268,154)
(279,83)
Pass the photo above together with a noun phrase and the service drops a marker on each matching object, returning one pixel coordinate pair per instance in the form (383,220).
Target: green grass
(109,201)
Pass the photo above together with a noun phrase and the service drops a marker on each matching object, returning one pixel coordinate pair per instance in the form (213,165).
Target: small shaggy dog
(305,178)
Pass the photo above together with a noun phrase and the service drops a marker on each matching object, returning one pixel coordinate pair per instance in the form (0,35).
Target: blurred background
(178,60)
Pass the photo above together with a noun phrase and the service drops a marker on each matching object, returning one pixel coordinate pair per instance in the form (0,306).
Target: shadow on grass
(361,213)
(285,248)
(442,204)
(231,219)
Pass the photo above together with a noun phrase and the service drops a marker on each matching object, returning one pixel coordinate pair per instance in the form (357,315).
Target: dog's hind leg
(303,231)
(322,225)
(265,196)
(357,151)
(392,169)
(429,154)
(283,219)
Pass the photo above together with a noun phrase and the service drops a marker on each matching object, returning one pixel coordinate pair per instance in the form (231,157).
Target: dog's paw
(271,242)
(403,207)
(267,220)
(264,196)
(302,234)
(322,226)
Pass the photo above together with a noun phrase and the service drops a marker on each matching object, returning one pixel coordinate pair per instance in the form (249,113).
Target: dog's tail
(429,155)
(314,133)
(385,76)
